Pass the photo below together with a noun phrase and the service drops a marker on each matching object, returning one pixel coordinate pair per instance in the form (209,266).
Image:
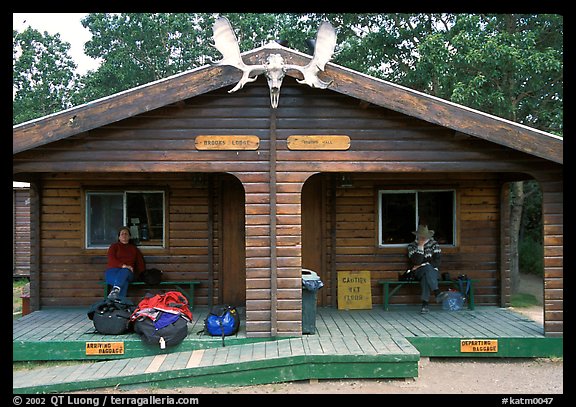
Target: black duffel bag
(111,317)
(168,329)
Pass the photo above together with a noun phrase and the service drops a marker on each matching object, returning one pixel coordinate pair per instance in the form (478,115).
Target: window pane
(397,217)
(436,209)
(105,216)
(145,216)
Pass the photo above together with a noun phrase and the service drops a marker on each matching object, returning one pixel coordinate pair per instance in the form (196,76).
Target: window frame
(124,192)
(415,191)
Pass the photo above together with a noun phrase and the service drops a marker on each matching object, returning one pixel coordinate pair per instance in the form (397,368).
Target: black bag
(151,276)
(408,275)
(464,285)
(168,329)
(111,317)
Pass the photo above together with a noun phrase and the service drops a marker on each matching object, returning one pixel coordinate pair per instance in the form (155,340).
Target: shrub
(531,256)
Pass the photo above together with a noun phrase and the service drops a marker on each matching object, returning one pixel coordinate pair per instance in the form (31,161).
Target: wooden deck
(348,344)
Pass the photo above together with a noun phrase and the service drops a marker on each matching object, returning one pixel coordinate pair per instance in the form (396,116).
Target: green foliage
(505,64)
(531,257)
(43,78)
(523,300)
(532,213)
(508,64)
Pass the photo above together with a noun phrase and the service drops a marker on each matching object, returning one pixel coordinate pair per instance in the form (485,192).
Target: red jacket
(173,302)
(120,253)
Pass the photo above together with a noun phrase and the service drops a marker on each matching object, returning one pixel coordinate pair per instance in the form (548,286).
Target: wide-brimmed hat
(424,231)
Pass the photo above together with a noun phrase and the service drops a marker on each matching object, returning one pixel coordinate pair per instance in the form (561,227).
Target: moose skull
(275,73)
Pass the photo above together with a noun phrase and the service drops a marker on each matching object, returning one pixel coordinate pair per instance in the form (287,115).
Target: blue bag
(222,320)
(454,301)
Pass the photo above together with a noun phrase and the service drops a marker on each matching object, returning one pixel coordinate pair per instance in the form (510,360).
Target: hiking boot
(441,296)
(424,309)
(114,293)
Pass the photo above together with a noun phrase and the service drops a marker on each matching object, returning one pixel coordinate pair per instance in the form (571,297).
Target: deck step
(302,358)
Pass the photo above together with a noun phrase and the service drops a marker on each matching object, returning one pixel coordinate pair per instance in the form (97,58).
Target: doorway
(313,230)
(233,237)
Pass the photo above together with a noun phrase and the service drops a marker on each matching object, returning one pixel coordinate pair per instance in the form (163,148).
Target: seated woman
(125,262)
(424,254)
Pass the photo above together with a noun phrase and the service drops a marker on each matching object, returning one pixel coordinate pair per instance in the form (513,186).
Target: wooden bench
(188,291)
(386,293)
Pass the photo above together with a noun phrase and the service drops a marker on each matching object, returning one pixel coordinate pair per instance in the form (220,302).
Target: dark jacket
(431,254)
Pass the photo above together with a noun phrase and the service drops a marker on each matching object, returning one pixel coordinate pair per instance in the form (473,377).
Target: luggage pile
(160,320)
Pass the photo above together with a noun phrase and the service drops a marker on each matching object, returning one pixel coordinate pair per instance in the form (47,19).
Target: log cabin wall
(553,222)
(21,232)
(388,149)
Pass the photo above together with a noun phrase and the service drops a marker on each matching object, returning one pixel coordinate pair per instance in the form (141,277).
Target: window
(142,211)
(400,212)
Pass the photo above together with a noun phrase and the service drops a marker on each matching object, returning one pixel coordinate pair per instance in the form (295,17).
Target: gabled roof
(201,80)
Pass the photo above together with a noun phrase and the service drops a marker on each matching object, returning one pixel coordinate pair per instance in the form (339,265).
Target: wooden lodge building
(222,189)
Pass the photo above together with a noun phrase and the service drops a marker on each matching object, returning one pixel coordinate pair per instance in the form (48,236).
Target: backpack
(222,320)
(162,319)
(111,317)
(151,276)
(167,330)
(463,278)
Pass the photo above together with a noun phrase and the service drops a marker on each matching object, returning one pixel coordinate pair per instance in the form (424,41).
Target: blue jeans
(119,277)
(428,277)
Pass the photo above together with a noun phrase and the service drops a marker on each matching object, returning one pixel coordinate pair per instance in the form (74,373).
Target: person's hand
(422,241)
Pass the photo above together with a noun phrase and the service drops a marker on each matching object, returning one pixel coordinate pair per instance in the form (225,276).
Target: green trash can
(311,283)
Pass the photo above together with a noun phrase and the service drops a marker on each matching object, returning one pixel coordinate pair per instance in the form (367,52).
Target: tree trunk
(516,207)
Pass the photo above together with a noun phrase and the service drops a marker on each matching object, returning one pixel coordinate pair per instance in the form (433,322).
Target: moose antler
(226,42)
(323,51)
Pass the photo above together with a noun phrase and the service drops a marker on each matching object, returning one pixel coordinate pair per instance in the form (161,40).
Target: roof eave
(346,81)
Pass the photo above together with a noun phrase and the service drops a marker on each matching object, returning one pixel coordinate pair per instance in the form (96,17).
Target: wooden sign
(479,345)
(104,348)
(227,142)
(332,143)
(354,290)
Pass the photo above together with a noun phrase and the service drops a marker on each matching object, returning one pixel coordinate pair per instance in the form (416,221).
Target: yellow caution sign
(354,290)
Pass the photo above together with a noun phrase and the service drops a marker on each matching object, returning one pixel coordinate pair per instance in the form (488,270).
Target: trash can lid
(309,275)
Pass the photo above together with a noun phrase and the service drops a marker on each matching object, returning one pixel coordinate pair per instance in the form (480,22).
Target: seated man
(125,262)
(424,254)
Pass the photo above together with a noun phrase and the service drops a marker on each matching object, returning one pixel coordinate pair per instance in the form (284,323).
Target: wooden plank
(133,365)
(195,358)
(246,353)
(170,361)
(155,364)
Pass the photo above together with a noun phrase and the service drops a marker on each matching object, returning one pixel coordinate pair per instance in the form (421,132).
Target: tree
(43,77)
(511,66)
